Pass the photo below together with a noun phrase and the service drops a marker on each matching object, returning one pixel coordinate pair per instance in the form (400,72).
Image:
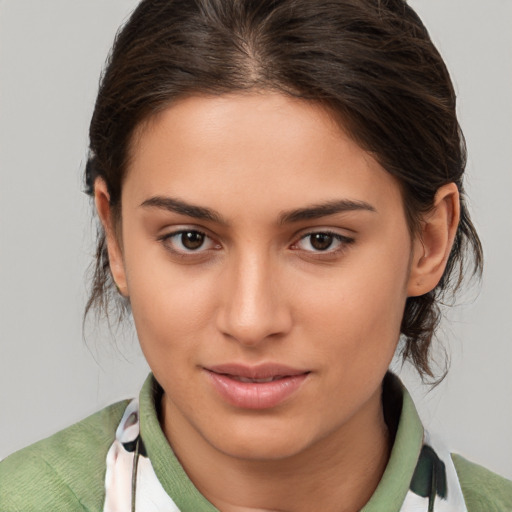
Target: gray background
(51,54)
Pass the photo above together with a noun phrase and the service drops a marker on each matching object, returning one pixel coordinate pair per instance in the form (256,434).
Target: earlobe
(432,246)
(115,255)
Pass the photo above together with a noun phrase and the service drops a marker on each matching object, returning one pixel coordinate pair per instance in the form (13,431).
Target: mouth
(256,387)
(265,372)
(246,379)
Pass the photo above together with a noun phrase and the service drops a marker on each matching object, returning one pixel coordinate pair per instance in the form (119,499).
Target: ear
(432,245)
(115,254)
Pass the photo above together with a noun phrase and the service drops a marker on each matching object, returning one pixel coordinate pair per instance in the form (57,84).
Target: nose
(254,307)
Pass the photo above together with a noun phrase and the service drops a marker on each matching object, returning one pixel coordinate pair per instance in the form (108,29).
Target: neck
(338,473)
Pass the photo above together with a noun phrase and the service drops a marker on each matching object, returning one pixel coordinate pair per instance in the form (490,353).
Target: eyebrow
(287,217)
(172,204)
(324,209)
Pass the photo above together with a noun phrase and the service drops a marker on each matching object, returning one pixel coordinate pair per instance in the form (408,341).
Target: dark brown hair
(371,62)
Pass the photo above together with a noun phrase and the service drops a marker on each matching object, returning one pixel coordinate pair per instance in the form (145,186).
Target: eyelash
(166,240)
(343,242)
(184,252)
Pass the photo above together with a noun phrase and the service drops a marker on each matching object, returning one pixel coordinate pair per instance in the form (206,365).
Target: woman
(280,190)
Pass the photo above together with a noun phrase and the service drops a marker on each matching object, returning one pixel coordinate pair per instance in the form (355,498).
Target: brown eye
(192,240)
(321,241)
(188,242)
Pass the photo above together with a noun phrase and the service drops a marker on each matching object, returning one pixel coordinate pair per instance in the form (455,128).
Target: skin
(259,291)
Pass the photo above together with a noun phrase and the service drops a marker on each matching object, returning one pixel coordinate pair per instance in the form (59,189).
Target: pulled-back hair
(371,62)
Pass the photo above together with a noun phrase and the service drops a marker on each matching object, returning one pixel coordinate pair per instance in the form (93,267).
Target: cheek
(170,303)
(360,307)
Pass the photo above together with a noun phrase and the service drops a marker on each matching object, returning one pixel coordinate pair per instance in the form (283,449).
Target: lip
(256,395)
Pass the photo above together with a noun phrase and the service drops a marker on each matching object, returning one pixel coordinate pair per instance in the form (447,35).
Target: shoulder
(65,471)
(484,491)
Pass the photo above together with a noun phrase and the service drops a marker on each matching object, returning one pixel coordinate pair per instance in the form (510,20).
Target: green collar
(394,484)
(167,468)
(389,494)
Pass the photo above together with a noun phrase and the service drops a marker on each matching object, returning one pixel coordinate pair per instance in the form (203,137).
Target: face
(266,257)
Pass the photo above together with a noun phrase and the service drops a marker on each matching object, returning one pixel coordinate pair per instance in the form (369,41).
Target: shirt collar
(394,484)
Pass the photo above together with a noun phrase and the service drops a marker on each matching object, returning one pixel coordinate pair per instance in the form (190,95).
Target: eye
(322,241)
(188,241)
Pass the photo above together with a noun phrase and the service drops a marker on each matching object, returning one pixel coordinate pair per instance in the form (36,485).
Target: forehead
(261,147)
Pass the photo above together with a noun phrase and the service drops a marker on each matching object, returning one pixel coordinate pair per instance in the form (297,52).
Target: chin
(262,450)
(265,443)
